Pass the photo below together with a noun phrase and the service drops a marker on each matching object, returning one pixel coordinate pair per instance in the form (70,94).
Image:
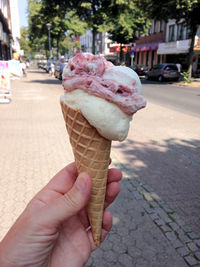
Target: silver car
(163,72)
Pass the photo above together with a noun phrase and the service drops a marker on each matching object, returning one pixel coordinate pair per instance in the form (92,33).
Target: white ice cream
(106,117)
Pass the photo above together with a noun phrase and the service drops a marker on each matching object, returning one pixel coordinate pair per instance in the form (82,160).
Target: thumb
(69,204)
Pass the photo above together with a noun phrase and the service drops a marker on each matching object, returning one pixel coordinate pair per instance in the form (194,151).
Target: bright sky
(22,4)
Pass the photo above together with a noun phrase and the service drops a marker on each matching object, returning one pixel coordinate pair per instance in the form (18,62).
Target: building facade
(177,43)
(146,47)
(5,30)
(167,43)
(15,27)
(104,46)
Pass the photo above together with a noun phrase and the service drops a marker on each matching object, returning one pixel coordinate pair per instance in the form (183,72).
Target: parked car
(163,72)
(59,69)
(141,70)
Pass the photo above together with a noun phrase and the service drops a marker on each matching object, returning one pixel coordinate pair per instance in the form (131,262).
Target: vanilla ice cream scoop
(106,95)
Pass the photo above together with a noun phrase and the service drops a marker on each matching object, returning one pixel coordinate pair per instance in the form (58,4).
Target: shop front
(146,54)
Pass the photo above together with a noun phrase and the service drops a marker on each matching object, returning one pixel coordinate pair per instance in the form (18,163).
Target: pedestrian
(53,230)
(23,68)
(52,69)
(179,67)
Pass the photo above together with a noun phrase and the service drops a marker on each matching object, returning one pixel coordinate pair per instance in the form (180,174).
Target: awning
(146,47)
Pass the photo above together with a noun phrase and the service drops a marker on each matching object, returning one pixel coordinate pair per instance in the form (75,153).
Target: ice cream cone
(92,155)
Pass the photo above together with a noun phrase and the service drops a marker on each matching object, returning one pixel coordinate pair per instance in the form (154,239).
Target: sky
(22,5)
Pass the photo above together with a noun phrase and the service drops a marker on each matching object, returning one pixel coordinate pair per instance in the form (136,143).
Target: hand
(53,229)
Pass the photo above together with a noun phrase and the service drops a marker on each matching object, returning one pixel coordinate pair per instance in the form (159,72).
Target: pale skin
(53,229)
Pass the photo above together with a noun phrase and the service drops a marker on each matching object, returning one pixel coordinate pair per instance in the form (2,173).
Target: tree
(24,42)
(62,22)
(126,21)
(189,10)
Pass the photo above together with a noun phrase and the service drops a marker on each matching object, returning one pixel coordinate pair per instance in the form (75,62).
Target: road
(184,99)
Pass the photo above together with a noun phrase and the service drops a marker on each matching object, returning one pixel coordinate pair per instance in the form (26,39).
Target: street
(184,99)
(156,219)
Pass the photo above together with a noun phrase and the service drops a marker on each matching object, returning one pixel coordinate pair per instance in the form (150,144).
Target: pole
(49,37)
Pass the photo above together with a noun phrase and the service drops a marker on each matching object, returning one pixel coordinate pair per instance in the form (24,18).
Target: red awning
(146,47)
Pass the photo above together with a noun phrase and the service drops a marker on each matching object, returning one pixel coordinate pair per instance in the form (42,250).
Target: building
(146,46)
(177,43)
(104,46)
(5,30)
(15,26)
(167,43)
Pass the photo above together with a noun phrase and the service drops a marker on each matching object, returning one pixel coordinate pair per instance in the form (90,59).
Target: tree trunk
(94,33)
(58,41)
(191,50)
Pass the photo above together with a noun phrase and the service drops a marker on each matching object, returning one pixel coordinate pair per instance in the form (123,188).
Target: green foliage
(126,21)
(24,43)
(186,77)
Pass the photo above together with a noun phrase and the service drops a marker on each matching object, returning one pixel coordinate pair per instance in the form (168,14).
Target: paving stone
(174,226)
(192,246)
(192,235)
(154,204)
(183,251)
(148,188)
(171,236)
(137,195)
(165,228)
(177,243)
(191,260)
(126,260)
(197,242)
(197,255)
(110,256)
(182,236)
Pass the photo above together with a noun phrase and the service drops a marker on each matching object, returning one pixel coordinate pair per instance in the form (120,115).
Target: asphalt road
(184,99)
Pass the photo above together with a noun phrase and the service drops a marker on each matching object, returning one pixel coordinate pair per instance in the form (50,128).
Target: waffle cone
(92,155)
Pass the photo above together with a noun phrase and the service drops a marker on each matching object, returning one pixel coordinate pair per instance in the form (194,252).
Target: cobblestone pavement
(34,146)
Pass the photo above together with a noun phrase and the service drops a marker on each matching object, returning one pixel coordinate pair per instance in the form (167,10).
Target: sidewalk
(34,146)
(194,83)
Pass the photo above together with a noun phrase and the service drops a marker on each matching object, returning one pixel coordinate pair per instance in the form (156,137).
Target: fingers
(114,175)
(60,184)
(112,191)
(113,187)
(106,227)
(68,204)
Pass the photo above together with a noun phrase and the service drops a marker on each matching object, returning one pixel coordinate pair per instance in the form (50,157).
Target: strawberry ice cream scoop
(106,95)
(96,76)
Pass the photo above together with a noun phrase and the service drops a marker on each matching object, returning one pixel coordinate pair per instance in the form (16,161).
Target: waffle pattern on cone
(92,154)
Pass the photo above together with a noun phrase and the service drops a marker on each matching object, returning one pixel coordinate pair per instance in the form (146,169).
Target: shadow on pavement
(145,81)
(171,169)
(45,81)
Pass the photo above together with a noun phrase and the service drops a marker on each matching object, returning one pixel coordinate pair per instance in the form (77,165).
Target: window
(161,26)
(171,36)
(180,31)
(188,33)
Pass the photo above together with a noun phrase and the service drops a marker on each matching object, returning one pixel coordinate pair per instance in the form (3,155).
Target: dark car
(59,69)
(141,70)
(163,72)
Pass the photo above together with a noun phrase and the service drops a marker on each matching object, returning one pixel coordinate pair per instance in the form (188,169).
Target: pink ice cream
(98,77)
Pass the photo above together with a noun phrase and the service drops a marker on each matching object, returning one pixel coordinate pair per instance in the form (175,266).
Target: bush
(186,78)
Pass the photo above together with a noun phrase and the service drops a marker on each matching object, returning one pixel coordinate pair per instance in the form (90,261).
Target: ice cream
(118,89)
(97,106)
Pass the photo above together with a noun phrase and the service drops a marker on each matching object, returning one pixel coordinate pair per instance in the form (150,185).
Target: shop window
(171,36)
(180,31)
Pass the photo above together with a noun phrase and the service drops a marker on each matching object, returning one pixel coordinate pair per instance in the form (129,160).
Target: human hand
(53,229)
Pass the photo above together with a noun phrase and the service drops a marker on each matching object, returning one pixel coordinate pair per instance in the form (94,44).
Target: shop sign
(4,76)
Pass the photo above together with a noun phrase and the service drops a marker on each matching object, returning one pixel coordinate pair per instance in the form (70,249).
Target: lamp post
(49,35)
